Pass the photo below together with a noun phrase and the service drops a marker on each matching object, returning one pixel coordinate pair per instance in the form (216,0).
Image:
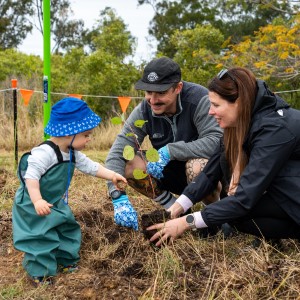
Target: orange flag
(26,94)
(124,102)
(75,96)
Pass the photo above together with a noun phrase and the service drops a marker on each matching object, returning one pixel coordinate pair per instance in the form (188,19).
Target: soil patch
(155,217)
(135,270)
(118,262)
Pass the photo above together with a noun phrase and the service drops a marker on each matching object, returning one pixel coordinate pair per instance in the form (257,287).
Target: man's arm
(115,160)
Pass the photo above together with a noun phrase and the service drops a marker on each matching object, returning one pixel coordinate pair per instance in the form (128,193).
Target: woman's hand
(169,230)
(176,210)
(42,207)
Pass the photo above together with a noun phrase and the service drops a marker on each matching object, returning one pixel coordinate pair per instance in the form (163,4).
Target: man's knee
(146,186)
(136,163)
(194,167)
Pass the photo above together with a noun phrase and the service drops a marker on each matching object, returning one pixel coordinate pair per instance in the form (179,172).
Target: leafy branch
(151,155)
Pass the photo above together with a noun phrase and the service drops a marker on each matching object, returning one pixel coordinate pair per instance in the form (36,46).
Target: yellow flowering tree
(273,53)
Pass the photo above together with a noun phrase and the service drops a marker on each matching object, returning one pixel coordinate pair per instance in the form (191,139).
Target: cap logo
(152,77)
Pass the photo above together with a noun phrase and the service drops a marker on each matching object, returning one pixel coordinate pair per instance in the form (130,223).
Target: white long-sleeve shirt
(44,157)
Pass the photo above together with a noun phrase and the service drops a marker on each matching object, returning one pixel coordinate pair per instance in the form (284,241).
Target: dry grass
(118,263)
(30,128)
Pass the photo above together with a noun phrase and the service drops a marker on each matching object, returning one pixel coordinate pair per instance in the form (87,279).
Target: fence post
(14,83)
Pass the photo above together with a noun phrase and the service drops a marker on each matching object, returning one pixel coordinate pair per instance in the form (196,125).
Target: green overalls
(52,240)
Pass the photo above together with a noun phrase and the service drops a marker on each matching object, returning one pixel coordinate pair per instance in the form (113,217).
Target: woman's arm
(169,230)
(271,147)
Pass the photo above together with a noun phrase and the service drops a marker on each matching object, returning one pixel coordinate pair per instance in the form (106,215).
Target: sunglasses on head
(224,72)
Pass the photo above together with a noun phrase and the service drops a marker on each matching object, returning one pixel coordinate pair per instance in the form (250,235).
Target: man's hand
(42,207)
(124,213)
(156,168)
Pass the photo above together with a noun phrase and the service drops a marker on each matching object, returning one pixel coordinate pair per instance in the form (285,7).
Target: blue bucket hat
(70,116)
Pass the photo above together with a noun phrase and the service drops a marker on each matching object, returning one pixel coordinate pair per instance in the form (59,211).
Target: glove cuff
(122,198)
(165,152)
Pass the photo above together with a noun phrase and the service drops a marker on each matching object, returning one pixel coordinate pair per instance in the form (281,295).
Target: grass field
(119,263)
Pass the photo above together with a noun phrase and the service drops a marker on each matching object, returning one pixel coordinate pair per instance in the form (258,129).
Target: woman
(257,161)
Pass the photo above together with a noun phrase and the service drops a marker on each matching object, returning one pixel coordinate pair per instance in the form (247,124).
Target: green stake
(47,63)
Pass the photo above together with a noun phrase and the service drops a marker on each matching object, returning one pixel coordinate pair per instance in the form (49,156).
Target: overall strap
(72,160)
(55,148)
(60,160)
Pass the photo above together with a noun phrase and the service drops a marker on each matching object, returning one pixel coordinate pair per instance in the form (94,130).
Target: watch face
(190,219)
(115,194)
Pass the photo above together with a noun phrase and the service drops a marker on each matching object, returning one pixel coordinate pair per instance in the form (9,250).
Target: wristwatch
(190,219)
(115,194)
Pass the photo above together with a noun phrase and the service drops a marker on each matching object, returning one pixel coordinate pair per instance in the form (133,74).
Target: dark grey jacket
(273,148)
(190,133)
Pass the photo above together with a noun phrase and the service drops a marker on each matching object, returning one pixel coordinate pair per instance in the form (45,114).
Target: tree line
(202,36)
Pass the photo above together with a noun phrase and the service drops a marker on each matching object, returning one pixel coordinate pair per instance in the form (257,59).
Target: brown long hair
(238,84)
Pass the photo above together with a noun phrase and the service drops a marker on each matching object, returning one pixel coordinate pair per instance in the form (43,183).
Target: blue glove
(124,213)
(156,168)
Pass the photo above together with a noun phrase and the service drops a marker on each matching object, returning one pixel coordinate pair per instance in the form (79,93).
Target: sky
(136,17)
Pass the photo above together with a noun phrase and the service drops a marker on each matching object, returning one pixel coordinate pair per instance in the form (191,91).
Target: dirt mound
(100,233)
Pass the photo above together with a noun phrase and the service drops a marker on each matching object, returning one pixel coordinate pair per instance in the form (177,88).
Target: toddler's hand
(119,181)
(42,207)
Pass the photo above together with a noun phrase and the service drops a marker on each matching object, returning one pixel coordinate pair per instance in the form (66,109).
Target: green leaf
(139,123)
(139,174)
(130,134)
(128,152)
(152,155)
(116,120)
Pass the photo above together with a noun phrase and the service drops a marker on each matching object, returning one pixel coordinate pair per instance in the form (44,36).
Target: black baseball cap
(159,75)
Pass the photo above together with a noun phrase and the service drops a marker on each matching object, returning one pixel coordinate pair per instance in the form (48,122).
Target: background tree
(66,32)
(283,6)
(234,18)
(176,15)
(244,17)
(104,70)
(194,51)
(273,53)
(16,64)
(111,35)
(14,25)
